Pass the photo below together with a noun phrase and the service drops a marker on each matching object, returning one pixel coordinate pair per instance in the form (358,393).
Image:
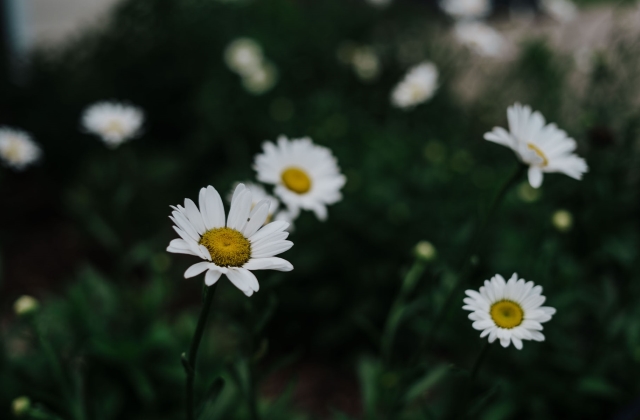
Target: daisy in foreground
(233,248)
(113,122)
(306,176)
(508,311)
(17,149)
(418,86)
(544,147)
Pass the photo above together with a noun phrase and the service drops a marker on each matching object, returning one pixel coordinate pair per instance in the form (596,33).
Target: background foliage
(86,230)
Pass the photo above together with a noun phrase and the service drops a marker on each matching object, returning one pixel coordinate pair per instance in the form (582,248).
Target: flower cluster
(245,57)
(113,122)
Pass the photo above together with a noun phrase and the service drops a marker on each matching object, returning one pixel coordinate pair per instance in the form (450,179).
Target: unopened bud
(20,406)
(25,305)
(425,250)
(562,220)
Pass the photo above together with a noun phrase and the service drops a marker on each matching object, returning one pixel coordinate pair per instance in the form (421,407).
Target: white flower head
(235,248)
(261,79)
(379,3)
(243,56)
(114,122)
(17,149)
(508,311)
(561,10)
(418,86)
(544,147)
(466,9)
(258,193)
(481,38)
(366,63)
(306,176)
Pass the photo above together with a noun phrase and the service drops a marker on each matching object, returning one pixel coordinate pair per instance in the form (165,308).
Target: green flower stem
(471,250)
(189,361)
(457,410)
(397,308)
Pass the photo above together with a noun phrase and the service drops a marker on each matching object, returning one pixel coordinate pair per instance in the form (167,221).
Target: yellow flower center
(12,153)
(228,247)
(114,127)
(506,314)
(296,180)
(536,149)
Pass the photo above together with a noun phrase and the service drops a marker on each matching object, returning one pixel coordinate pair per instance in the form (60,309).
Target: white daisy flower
(113,122)
(466,9)
(481,38)
(306,176)
(544,147)
(17,149)
(258,193)
(243,56)
(418,86)
(234,248)
(561,10)
(509,311)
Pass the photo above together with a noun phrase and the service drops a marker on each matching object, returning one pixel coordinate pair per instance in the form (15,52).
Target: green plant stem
(458,408)
(471,249)
(396,312)
(189,361)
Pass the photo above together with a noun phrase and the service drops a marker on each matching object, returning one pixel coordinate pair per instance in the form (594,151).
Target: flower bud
(562,220)
(425,251)
(25,305)
(20,406)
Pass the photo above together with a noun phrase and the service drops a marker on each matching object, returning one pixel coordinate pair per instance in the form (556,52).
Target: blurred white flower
(366,63)
(379,3)
(562,220)
(466,9)
(113,122)
(261,80)
(286,216)
(561,10)
(544,147)
(418,86)
(235,248)
(481,38)
(258,193)
(243,56)
(17,149)
(306,176)
(25,305)
(508,311)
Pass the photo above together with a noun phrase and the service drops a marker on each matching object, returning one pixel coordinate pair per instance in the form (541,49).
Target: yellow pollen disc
(536,149)
(114,127)
(506,314)
(296,180)
(228,247)
(13,151)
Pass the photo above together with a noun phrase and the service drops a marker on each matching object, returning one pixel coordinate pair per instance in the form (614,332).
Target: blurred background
(85,229)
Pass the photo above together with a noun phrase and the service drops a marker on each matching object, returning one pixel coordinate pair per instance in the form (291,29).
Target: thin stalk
(471,250)
(396,311)
(458,408)
(253,401)
(189,361)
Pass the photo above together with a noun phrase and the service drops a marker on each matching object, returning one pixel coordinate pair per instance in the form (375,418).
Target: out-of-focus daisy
(418,86)
(379,3)
(258,193)
(261,80)
(466,9)
(306,176)
(17,149)
(561,10)
(366,63)
(113,122)
(508,311)
(243,56)
(481,38)
(562,220)
(544,147)
(234,248)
